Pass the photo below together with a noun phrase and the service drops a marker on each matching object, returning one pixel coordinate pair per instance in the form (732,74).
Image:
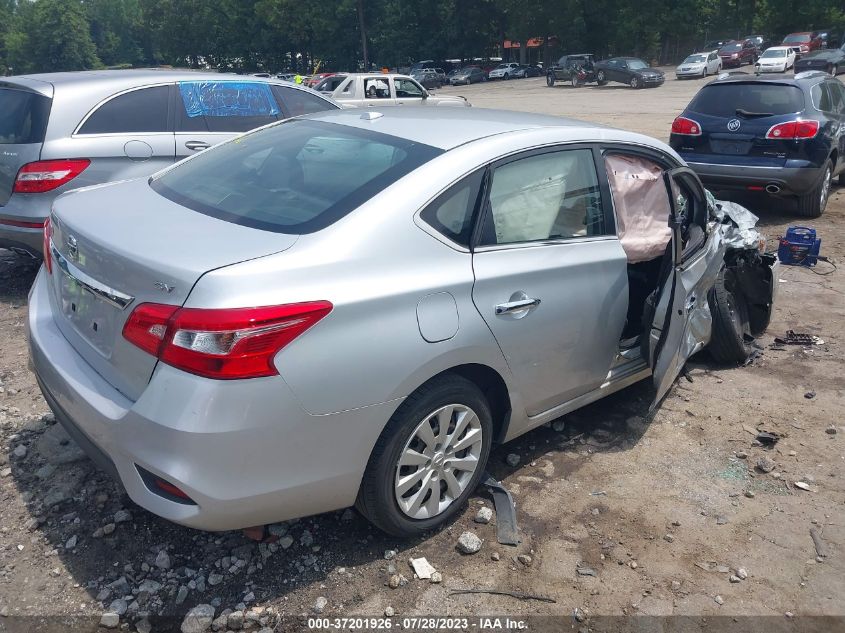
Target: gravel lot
(619,515)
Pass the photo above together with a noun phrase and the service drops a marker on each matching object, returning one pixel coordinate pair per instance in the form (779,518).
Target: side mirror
(426,94)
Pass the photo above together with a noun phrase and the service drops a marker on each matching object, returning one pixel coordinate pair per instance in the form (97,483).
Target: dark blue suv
(780,134)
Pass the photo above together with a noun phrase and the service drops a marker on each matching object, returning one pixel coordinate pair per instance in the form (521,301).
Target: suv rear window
(296,177)
(23,116)
(723,100)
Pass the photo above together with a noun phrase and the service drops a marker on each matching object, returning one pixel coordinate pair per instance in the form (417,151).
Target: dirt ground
(620,514)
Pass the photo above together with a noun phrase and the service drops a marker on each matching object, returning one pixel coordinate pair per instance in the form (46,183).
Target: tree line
(303,35)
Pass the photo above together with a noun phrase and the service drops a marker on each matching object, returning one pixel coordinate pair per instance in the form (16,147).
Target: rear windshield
(758,98)
(296,177)
(23,117)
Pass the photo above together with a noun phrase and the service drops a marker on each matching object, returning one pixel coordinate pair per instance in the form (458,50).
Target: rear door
(23,122)
(682,322)
(377,91)
(129,135)
(550,274)
(210,112)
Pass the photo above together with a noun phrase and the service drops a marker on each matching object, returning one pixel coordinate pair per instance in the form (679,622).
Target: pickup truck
(377,89)
(563,70)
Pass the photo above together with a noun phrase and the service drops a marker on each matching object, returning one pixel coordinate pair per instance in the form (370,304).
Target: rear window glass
(143,110)
(23,117)
(762,99)
(296,177)
(299,102)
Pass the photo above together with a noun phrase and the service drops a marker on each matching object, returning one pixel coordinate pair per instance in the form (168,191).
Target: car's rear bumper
(789,180)
(244,451)
(22,221)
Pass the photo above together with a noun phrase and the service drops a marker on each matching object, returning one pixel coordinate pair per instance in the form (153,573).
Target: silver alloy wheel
(635,83)
(825,189)
(438,461)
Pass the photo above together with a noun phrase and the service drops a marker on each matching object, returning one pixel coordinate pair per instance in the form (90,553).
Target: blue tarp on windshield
(228,98)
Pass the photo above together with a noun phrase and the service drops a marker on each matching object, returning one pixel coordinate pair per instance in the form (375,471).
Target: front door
(682,320)
(377,91)
(550,274)
(408,92)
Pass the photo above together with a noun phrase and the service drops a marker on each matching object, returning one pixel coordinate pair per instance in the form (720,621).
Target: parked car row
(581,68)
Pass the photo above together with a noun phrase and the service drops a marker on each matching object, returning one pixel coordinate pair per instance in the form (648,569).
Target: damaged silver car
(353,308)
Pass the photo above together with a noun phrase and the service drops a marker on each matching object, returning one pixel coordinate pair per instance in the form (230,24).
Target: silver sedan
(354,307)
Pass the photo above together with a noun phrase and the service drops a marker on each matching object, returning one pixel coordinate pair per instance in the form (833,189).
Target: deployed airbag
(642,206)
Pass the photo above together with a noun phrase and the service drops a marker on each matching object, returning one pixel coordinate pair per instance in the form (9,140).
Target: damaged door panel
(682,322)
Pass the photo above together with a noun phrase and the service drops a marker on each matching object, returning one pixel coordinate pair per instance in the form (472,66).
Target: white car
(777,59)
(504,71)
(383,89)
(699,65)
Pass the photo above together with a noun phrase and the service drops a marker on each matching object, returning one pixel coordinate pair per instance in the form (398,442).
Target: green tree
(50,35)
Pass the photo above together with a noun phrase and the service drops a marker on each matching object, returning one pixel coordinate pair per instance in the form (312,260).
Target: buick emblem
(72,247)
(733,125)
(164,287)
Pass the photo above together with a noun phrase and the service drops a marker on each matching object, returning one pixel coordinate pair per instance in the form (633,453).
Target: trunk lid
(23,123)
(117,246)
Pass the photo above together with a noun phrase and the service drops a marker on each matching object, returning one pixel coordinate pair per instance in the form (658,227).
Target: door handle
(196,146)
(517,306)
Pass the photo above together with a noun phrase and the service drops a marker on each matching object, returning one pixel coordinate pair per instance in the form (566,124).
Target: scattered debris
(422,568)
(831,430)
(497,592)
(768,439)
(583,569)
(741,573)
(558,426)
(821,546)
(735,579)
(110,620)
(810,395)
(436,578)
(749,494)
(721,519)
(198,619)
(766,465)
(389,554)
(507,532)
(803,486)
(798,338)
(495,556)
(389,612)
(669,538)
(320,604)
(469,543)
(483,515)
(525,559)
(719,600)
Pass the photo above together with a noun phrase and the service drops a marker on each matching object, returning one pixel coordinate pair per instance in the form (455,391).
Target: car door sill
(620,376)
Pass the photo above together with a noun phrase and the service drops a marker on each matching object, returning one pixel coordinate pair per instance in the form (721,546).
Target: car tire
(812,204)
(550,80)
(730,340)
(576,83)
(378,497)
(506,76)
(635,83)
(834,70)
(601,78)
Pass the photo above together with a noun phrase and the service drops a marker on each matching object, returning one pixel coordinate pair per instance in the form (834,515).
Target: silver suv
(67,130)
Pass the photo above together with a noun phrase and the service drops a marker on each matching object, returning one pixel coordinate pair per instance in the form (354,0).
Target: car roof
(116,80)
(448,128)
(800,78)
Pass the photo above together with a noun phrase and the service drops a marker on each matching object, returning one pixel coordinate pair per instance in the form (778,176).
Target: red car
(803,43)
(739,52)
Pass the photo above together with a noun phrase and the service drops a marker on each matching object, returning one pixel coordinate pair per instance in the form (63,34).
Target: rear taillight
(793,130)
(223,344)
(685,126)
(46,175)
(48,235)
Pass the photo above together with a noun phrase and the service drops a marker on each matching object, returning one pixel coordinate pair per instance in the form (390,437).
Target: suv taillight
(48,235)
(793,130)
(46,175)
(221,343)
(685,126)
